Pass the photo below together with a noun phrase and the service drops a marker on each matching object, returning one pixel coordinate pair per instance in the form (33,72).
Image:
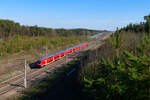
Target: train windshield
(38,62)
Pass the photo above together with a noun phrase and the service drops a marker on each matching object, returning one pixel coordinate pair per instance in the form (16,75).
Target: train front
(38,63)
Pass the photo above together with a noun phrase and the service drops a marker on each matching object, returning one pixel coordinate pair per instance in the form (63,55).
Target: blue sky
(93,14)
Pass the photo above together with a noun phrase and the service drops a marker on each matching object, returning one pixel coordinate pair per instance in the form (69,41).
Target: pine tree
(116,41)
(147,18)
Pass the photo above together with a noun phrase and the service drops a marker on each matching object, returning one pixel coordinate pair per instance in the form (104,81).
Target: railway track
(34,74)
(31,74)
(7,85)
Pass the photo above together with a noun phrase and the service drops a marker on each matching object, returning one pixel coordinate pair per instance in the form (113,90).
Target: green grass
(17,43)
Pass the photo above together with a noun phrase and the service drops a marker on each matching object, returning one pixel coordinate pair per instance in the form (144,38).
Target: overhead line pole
(25,74)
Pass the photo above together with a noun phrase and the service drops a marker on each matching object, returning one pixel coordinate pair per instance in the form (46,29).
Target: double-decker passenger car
(48,59)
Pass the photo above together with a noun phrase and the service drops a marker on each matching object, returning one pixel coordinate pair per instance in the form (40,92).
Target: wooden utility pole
(25,74)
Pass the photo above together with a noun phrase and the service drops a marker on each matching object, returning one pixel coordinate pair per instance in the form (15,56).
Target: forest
(142,27)
(120,69)
(10,28)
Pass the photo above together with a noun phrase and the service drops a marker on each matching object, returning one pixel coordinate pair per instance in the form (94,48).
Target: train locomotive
(51,58)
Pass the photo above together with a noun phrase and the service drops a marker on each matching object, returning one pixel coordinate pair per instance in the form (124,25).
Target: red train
(48,59)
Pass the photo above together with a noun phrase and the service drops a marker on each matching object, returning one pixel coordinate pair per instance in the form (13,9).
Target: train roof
(60,52)
(51,55)
(46,57)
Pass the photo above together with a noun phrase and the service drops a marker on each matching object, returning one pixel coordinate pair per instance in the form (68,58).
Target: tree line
(141,27)
(9,28)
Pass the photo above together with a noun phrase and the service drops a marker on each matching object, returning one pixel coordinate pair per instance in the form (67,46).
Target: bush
(18,43)
(123,75)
